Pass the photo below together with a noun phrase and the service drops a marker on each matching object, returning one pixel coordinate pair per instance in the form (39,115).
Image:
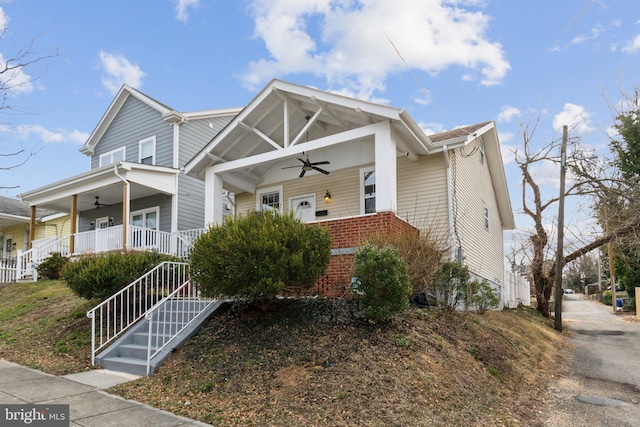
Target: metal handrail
(113,316)
(174,320)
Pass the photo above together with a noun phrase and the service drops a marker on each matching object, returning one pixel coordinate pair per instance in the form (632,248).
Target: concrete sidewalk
(89,406)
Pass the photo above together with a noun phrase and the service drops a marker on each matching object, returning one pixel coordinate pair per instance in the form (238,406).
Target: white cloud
(508,113)
(633,46)
(181,8)
(575,117)
(508,153)
(47,136)
(15,80)
(350,43)
(119,71)
(4,19)
(431,128)
(595,32)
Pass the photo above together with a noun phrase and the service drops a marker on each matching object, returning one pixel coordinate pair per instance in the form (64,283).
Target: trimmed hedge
(260,255)
(100,276)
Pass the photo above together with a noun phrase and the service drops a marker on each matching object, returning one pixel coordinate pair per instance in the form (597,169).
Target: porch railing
(112,317)
(104,240)
(8,270)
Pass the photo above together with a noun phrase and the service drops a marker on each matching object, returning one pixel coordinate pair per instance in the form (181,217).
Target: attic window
(481,150)
(114,156)
(147,151)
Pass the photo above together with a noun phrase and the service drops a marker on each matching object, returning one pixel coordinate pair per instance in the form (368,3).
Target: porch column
(126,208)
(386,169)
(73,224)
(213,198)
(32,227)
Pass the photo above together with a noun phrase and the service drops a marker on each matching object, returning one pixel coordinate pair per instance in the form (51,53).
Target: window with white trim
(147,151)
(481,150)
(269,199)
(368,190)
(146,218)
(486,218)
(113,156)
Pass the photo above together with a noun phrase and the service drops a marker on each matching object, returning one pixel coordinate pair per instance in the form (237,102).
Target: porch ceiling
(107,184)
(286,119)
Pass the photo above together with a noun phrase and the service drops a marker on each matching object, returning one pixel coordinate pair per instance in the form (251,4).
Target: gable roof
(487,132)
(123,94)
(284,113)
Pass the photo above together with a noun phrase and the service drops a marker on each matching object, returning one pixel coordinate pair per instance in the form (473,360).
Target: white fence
(8,270)
(516,290)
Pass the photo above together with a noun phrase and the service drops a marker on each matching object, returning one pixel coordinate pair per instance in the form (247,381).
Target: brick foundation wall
(348,234)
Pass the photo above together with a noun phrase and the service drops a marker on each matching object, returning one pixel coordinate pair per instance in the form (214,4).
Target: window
(147,151)
(147,218)
(486,218)
(270,199)
(481,150)
(146,221)
(368,190)
(117,155)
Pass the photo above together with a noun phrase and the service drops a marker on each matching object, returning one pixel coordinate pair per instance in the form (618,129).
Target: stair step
(129,365)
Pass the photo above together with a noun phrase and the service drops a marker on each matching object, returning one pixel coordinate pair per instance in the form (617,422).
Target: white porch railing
(173,315)
(112,317)
(8,270)
(104,240)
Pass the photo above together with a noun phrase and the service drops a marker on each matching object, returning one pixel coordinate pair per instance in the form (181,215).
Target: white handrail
(172,315)
(112,317)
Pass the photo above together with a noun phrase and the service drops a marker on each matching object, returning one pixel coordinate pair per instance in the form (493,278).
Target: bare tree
(17,74)
(590,178)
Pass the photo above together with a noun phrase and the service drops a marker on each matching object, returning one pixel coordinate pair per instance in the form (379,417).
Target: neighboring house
(15,223)
(384,175)
(134,196)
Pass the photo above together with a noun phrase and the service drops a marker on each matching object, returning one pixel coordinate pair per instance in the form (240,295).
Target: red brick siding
(350,233)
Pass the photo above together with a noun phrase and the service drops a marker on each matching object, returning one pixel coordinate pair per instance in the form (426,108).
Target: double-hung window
(113,156)
(269,199)
(486,218)
(147,151)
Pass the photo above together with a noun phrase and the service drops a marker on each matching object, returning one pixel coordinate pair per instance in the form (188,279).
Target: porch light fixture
(327,196)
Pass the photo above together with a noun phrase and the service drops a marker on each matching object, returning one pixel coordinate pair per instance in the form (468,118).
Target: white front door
(304,207)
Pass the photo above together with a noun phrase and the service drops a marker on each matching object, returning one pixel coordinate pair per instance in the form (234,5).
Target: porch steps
(129,353)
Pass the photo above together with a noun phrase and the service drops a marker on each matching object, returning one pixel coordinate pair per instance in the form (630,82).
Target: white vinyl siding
(483,248)
(422,194)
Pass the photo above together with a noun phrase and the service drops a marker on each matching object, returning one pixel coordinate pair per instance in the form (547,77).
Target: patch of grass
(43,325)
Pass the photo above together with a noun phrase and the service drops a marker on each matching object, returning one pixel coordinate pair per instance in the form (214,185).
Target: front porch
(104,240)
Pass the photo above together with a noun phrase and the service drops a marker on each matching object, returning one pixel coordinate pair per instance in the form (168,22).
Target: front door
(145,225)
(102,236)
(304,207)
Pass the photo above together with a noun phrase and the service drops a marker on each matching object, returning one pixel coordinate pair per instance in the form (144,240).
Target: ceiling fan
(308,166)
(97,204)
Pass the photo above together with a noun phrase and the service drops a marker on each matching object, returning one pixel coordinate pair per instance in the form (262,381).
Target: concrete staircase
(129,352)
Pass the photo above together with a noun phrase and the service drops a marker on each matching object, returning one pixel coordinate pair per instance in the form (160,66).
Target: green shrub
(421,252)
(382,281)
(607,297)
(257,256)
(451,283)
(51,268)
(100,276)
(483,296)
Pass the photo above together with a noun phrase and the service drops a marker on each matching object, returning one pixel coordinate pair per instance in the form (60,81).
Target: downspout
(125,207)
(445,150)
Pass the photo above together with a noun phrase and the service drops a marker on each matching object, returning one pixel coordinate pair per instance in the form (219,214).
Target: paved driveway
(603,385)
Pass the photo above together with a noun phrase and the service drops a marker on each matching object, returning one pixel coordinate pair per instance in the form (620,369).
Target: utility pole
(559,251)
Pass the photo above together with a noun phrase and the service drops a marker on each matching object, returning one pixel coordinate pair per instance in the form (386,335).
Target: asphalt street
(602,387)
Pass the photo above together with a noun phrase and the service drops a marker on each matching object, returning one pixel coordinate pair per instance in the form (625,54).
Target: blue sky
(448,63)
